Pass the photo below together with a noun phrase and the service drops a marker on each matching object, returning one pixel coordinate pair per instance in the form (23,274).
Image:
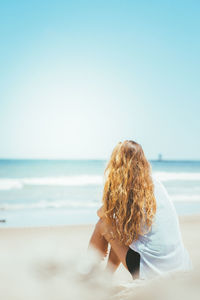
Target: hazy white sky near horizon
(79,76)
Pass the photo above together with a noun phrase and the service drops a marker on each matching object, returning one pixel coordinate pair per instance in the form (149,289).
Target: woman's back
(161,249)
(130,196)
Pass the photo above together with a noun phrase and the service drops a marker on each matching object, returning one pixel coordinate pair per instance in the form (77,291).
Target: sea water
(59,192)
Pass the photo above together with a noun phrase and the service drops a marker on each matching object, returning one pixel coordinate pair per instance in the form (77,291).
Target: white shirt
(162,250)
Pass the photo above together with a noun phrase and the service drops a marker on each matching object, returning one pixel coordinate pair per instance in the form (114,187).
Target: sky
(77,77)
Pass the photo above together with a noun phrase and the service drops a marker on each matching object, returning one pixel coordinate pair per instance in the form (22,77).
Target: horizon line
(100,159)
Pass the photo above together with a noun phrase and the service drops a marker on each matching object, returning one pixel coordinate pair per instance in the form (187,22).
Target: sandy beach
(52,263)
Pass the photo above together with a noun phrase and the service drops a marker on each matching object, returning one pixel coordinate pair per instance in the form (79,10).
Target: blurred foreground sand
(52,263)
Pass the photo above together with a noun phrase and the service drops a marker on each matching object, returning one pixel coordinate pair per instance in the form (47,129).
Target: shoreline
(182,218)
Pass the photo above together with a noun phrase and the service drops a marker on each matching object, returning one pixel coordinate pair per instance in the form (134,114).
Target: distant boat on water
(160,157)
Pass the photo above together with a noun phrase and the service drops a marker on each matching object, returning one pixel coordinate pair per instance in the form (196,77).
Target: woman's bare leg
(98,241)
(113,261)
(119,249)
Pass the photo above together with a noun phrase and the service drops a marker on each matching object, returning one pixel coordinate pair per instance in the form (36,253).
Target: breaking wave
(49,204)
(168,176)
(84,180)
(186,198)
(19,183)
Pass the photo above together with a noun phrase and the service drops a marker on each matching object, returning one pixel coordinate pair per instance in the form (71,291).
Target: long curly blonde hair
(129,203)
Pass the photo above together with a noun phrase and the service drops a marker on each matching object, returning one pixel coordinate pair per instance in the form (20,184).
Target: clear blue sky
(79,76)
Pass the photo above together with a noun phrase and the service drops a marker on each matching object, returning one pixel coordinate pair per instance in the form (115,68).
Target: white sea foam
(168,176)
(8,184)
(65,181)
(186,198)
(82,180)
(49,204)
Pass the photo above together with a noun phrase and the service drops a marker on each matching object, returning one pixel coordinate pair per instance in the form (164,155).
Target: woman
(138,218)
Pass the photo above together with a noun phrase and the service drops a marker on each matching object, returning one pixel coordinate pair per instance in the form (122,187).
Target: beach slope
(52,263)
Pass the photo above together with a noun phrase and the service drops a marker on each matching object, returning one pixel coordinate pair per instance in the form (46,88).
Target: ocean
(63,192)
